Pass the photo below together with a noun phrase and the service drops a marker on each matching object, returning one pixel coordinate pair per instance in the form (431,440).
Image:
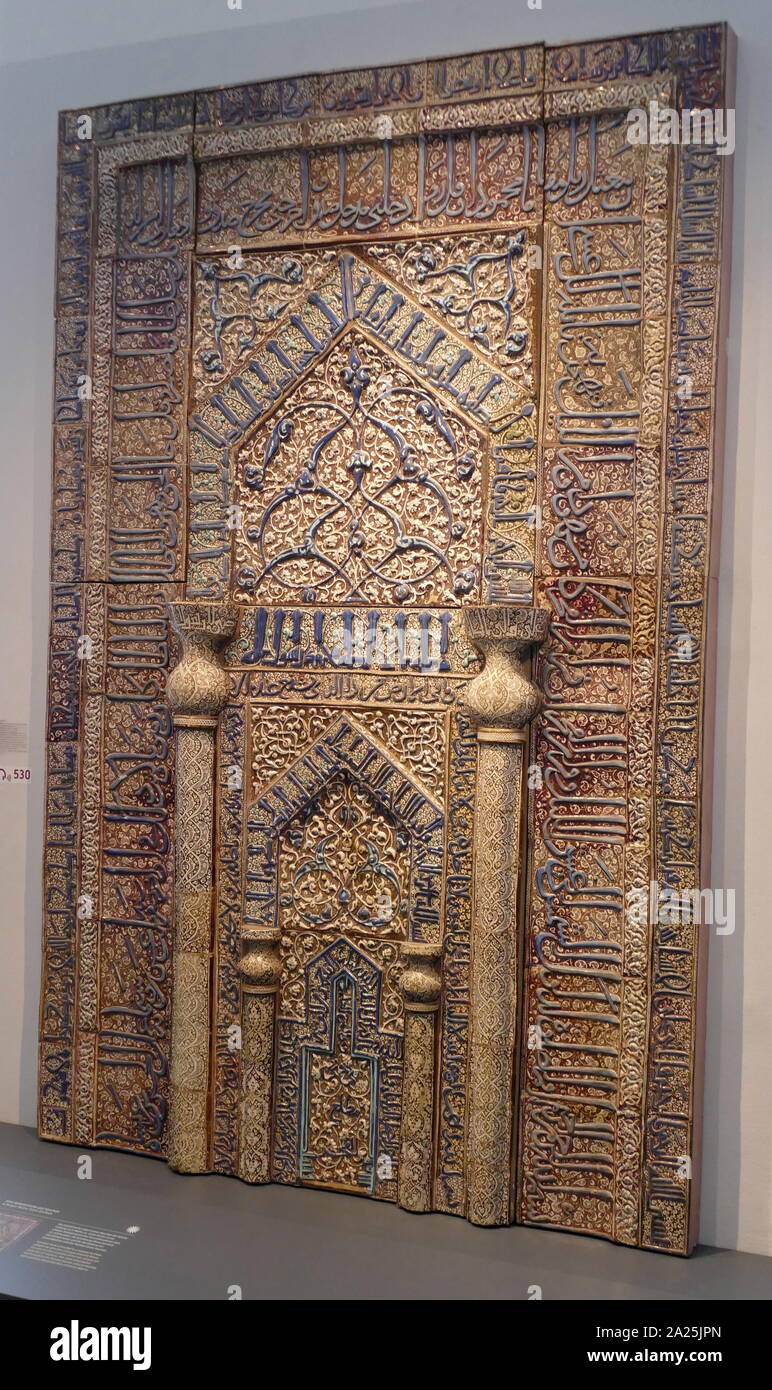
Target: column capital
(420,982)
(260,964)
(502,697)
(197,688)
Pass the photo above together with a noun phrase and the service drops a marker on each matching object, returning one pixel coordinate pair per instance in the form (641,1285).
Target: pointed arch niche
(360,901)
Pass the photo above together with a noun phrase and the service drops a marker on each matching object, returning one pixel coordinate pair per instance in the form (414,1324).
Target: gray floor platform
(136,1230)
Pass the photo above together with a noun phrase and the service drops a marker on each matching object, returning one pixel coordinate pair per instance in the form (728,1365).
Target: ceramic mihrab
(381,548)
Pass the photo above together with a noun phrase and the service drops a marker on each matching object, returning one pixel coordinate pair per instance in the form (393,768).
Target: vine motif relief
(362,489)
(344,866)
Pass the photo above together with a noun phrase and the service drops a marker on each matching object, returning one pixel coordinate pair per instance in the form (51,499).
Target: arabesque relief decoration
(362,490)
(380,561)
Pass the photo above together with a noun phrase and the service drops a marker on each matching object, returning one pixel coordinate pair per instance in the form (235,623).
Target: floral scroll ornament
(365,517)
(229,320)
(483,316)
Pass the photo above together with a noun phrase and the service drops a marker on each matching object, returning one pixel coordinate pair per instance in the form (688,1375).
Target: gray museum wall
(67,53)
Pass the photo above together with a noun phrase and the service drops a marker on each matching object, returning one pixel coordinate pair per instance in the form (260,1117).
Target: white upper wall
(55,27)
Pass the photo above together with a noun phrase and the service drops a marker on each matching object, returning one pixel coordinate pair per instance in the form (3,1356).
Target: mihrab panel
(384,445)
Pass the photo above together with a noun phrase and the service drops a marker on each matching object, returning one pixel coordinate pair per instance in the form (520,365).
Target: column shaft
(188,1129)
(421,991)
(261,972)
(494,980)
(196,691)
(502,700)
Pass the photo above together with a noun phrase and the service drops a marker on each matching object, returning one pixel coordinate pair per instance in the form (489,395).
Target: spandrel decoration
(385,439)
